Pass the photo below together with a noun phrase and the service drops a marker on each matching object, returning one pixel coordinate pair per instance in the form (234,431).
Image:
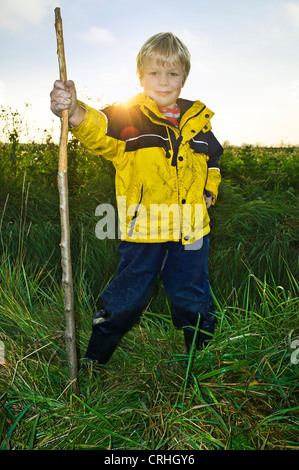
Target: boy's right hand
(64,96)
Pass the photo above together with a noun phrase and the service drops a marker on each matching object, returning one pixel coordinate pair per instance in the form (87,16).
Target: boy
(165,157)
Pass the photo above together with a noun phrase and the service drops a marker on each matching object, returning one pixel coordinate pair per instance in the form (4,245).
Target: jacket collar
(194,114)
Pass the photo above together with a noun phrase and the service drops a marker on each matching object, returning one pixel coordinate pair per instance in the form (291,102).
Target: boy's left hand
(208,199)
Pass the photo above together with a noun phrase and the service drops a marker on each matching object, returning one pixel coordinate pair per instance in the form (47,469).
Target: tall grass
(241,392)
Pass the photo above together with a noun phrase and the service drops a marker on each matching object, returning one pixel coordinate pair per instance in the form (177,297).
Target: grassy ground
(239,393)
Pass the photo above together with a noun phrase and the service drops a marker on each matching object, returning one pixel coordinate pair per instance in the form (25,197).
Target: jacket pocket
(134,217)
(199,146)
(134,192)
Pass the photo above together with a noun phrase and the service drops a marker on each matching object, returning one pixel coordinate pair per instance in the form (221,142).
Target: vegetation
(239,393)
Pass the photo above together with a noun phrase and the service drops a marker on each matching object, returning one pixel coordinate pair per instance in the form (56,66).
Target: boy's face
(163,84)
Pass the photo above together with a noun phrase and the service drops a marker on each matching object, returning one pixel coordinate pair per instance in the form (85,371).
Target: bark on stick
(62,180)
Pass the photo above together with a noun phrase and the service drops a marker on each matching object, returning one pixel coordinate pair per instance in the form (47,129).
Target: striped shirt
(172,114)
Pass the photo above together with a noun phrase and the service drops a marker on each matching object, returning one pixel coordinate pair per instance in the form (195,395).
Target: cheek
(178,88)
(180,83)
(146,83)
(177,84)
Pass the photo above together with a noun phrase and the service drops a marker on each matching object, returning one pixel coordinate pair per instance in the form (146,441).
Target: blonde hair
(165,48)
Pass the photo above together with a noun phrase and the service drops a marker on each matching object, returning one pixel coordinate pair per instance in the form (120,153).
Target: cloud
(16,15)
(292,10)
(96,35)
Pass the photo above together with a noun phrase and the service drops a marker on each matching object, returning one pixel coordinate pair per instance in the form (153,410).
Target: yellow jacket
(161,171)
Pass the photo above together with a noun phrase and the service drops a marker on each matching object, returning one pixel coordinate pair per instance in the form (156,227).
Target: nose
(163,79)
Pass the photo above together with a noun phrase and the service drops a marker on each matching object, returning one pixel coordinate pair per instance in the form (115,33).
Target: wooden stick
(62,182)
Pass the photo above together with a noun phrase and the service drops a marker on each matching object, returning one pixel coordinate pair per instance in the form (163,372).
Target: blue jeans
(186,282)
(184,275)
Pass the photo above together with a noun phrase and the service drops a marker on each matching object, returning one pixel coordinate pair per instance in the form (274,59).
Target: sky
(244,59)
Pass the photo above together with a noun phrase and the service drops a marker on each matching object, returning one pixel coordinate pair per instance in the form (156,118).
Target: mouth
(163,93)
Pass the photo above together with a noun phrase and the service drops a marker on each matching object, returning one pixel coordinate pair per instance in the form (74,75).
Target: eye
(173,74)
(153,73)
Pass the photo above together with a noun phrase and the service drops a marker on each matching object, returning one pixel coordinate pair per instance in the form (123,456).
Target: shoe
(201,339)
(101,346)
